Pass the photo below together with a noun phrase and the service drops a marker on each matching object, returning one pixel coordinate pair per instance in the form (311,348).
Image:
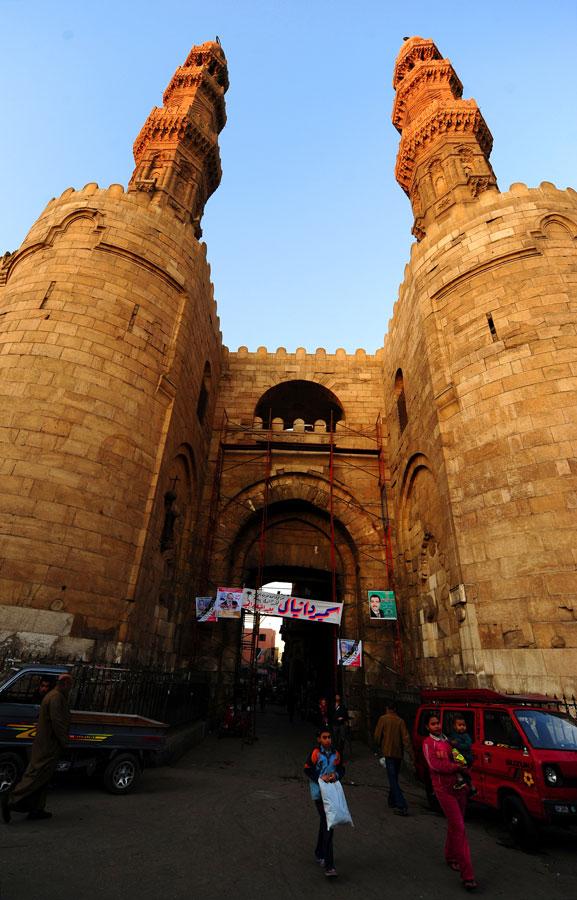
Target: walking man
(392,739)
(52,731)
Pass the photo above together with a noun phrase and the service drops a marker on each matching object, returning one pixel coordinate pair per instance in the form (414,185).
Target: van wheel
(11,768)
(122,774)
(520,825)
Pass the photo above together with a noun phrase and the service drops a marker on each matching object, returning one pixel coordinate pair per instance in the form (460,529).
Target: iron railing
(177,696)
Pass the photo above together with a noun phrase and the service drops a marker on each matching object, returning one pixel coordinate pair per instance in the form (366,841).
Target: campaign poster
(349,653)
(206,609)
(382,605)
(229,602)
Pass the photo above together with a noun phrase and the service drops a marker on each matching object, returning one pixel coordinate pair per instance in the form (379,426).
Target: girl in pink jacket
(438,755)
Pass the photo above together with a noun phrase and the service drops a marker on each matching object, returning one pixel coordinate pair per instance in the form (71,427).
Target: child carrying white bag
(335,804)
(324,770)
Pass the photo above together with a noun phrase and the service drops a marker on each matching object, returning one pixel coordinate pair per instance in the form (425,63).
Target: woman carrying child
(438,754)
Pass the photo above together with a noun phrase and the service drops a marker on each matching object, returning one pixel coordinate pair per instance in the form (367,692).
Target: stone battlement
(281,354)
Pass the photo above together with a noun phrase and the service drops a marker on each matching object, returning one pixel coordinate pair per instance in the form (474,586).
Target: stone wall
(107,326)
(298,497)
(485,332)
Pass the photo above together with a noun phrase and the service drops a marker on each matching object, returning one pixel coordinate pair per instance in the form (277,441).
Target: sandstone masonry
(140,458)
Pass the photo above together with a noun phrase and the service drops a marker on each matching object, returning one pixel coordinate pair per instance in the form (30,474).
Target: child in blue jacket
(324,764)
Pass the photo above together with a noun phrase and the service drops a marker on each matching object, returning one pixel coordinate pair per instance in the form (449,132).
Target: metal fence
(177,696)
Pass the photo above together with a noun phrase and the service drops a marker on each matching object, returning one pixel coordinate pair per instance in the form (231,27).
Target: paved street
(234,821)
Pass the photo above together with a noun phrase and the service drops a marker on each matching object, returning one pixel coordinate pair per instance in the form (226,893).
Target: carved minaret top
(176,152)
(443,156)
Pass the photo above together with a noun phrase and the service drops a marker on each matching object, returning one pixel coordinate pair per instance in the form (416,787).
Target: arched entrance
(297,550)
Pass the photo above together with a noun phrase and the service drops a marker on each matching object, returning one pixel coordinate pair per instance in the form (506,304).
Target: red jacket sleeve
(437,755)
(311,765)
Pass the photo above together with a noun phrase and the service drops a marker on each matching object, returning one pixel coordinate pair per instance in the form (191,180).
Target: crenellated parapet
(340,356)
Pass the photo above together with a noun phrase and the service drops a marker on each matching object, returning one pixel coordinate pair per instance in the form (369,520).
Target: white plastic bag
(335,804)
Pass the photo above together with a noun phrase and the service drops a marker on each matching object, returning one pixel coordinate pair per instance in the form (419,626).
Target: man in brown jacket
(392,739)
(51,739)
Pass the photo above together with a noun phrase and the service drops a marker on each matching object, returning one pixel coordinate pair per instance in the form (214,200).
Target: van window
(499,729)
(449,716)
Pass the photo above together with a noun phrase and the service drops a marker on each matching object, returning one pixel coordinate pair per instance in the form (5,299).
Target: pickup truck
(114,746)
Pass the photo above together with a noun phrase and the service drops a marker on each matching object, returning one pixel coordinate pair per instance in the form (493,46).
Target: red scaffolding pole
(253,661)
(213,506)
(388,540)
(333,551)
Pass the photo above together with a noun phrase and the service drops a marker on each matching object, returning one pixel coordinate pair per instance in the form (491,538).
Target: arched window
(400,400)
(297,399)
(203,393)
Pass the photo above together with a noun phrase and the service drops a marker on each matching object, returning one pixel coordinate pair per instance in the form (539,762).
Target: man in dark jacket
(392,739)
(51,739)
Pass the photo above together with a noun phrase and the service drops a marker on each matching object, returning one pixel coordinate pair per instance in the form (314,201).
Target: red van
(524,754)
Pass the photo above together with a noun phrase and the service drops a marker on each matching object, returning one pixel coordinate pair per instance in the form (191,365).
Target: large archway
(296,547)
(298,550)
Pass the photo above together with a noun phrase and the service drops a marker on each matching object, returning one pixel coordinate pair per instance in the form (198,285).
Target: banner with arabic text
(269,604)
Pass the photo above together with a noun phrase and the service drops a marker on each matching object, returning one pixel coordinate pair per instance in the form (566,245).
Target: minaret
(443,157)
(176,152)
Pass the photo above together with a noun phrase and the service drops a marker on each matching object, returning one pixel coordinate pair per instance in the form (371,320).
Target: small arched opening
(299,399)
(400,401)
(204,393)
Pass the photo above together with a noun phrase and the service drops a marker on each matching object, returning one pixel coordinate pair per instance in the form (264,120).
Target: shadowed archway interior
(298,399)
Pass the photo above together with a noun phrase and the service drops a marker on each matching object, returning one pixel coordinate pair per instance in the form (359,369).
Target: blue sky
(308,234)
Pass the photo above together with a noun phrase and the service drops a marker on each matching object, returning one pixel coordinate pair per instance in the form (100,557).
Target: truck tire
(520,825)
(11,768)
(122,774)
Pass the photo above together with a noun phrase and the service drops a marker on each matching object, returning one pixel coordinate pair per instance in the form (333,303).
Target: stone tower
(110,355)
(443,157)
(481,390)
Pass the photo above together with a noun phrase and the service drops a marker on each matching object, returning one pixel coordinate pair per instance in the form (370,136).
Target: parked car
(114,746)
(524,754)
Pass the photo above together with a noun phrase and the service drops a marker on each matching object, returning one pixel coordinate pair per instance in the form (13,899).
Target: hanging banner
(382,605)
(350,653)
(229,603)
(269,604)
(206,609)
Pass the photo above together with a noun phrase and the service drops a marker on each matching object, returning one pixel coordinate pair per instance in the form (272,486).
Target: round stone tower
(110,352)
(483,351)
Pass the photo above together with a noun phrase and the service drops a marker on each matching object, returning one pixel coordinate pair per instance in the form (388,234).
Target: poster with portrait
(206,609)
(349,653)
(229,602)
(382,605)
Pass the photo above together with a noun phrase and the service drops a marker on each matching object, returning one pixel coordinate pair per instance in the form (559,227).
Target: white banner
(269,604)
